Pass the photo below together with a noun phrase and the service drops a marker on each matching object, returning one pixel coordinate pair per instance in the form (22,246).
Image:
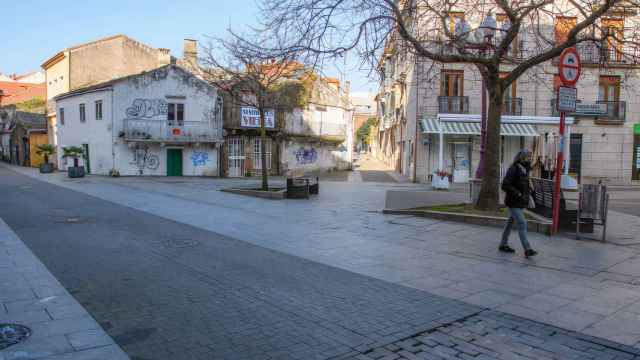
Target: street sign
(567,98)
(569,67)
(569,71)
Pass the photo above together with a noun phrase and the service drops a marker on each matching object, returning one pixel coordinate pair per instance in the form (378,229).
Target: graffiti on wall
(199,158)
(143,158)
(148,78)
(147,108)
(306,156)
(189,80)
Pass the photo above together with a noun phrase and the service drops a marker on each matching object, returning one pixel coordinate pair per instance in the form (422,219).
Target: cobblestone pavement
(494,335)
(582,286)
(165,290)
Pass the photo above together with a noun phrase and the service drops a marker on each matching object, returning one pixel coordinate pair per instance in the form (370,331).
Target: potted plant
(440,180)
(75,153)
(46,150)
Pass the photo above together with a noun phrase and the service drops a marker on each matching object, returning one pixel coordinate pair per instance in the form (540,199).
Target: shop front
(454,143)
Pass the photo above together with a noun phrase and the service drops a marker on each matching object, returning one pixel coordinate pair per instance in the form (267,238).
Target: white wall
(96,133)
(312,156)
(142,97)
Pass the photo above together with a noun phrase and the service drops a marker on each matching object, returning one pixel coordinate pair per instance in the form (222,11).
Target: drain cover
(11,334)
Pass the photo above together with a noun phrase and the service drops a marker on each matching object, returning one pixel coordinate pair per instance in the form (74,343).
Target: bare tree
(457,31)
(254,77)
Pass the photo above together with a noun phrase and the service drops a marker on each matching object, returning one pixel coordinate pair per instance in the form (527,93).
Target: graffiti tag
(143,158)
(306,156)
(147,108)
(199,158)
(146,79)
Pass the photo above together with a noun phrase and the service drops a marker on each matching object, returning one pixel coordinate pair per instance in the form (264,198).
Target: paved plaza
(172,268)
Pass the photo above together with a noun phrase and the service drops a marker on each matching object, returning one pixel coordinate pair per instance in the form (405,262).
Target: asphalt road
(166,290)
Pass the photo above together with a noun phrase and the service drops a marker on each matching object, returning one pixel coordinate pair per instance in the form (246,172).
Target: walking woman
(517,188)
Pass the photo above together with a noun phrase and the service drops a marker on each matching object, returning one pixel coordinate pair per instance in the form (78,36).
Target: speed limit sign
(569,67)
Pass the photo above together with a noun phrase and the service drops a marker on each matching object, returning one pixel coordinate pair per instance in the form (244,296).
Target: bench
(543,199)
(302,187)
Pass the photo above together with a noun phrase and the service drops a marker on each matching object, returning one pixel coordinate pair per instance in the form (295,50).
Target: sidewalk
(29,295)
(583,286)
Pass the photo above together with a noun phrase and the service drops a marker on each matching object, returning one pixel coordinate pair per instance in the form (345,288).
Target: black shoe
(506,248)
(529,253)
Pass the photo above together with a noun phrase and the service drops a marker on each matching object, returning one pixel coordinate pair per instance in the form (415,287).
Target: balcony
(162,131)
(512,106)
(597,53)
(453,104)
(605,112)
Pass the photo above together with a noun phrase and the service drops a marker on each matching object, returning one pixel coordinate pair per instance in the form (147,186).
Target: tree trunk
(263,153)
(46,158)
(489,196)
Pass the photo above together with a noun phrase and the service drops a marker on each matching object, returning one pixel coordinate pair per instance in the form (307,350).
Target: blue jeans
(517,215)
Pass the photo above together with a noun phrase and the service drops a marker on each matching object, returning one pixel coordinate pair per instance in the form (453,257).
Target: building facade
(20,133)
(163,122)
(316,137)
(93,63)
(430,112)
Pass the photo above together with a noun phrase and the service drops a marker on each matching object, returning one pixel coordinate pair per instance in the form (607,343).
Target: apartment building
(430,111)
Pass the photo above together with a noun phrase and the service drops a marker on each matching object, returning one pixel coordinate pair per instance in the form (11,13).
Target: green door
(174,162)
(87,163)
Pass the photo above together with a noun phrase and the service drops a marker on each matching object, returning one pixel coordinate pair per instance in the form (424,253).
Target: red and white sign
(569,67)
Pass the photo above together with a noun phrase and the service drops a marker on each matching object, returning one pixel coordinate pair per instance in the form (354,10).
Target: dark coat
(516,186)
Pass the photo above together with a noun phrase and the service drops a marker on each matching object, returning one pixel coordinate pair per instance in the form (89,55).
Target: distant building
(14,92)
(34,77)
(364,107)
(20,133)
(162,122)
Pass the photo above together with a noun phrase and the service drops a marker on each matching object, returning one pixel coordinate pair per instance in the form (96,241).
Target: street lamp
(487,31)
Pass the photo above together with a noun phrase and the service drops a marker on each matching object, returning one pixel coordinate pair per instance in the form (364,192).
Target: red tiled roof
(15,92)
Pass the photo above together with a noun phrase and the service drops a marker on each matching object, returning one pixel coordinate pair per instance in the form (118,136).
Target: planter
(46,168)
(440,183)
(76,171)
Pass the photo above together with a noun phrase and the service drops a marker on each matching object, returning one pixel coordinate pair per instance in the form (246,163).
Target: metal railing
(512,106)
(453,104)
(603,110)
(162,130)
(596,53)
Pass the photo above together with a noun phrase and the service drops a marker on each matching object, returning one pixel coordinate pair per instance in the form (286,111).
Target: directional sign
(569,67)
(567,97)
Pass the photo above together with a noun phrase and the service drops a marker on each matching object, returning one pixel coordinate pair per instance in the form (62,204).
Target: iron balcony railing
(597,53)
(512,106)
(615,111)
(453,104)
(165,131)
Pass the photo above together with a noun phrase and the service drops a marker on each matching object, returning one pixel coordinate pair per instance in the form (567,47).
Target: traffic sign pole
(569,69)
(558,176)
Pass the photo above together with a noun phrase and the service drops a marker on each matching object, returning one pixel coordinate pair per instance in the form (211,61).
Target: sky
(35,30)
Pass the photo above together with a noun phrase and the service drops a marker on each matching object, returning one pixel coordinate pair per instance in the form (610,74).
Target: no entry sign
(569,67)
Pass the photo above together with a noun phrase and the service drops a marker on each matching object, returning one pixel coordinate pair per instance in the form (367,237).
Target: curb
(537,225)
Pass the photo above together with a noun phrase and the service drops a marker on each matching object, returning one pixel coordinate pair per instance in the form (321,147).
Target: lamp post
(487,32)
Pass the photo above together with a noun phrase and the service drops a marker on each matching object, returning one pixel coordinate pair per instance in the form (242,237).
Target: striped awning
(432,126)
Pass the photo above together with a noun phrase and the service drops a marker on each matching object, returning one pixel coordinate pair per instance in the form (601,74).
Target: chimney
(1,95)
(164,56)
(347,88)
(190,51)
